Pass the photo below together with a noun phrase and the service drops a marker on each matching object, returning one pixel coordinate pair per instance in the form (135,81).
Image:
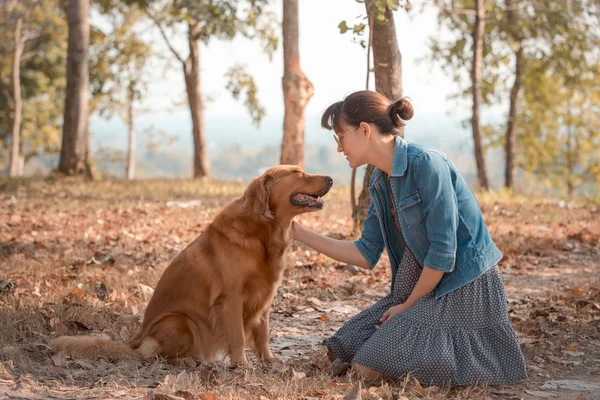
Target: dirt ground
(83,258)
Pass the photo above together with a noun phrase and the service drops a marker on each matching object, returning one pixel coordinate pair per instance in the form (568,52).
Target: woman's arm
(340,250)
(427,282)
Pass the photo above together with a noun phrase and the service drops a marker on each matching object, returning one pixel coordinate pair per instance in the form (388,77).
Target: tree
(202,21)
(75,141)
(517,36)
(531,30)
(387,61)
(559,113)
(478,32)
(466,18)
(18,13)
(124,71)
(31,78)
(297,89)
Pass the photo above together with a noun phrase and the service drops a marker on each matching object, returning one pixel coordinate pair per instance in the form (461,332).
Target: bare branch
(27,55)
(27,37)
(164,35)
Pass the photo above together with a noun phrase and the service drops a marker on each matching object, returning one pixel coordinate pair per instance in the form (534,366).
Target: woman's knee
(368,374)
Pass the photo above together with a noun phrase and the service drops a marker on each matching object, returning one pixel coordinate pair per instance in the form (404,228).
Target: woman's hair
(370,107)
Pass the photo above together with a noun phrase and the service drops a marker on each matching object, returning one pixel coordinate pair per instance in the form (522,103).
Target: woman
(445,319)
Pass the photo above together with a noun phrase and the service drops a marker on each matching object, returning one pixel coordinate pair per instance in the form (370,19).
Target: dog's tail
(92,347)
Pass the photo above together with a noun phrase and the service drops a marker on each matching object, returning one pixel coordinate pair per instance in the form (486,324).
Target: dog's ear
(256,196)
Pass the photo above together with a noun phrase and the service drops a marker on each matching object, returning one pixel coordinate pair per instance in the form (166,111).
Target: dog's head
(285,191)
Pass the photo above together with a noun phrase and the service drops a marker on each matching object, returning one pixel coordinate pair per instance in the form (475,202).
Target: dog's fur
(215,296)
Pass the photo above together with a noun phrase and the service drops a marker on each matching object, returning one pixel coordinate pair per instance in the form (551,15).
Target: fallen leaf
(555,359)
(315,301)
(573,353)
(60,359)
(354,394)
(297,375)
(431,389)
(417,387)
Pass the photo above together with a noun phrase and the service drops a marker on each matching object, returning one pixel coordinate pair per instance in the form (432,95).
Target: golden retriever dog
(215,296)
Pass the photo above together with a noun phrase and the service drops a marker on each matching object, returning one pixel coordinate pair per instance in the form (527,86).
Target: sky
(335,65)
(333,62)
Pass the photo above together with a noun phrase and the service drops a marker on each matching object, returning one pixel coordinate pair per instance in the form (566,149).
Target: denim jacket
(436,213)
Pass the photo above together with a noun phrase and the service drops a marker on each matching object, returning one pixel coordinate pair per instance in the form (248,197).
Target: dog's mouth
(312,200)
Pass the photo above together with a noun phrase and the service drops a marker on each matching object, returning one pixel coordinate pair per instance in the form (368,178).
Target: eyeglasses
(338,139)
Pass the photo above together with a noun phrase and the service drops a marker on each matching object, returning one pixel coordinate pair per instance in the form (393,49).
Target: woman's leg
(366,373)
(351,336)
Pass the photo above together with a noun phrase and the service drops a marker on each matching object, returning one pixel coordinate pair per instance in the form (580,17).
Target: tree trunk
(387,61)
(191,70)
(15,161)
(353,177)
(478,32)
(297,89)
(511,126)
(131,149)
(571,150)
(74,150)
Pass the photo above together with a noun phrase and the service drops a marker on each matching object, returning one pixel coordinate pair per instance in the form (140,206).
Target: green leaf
(359,28)
(343,27)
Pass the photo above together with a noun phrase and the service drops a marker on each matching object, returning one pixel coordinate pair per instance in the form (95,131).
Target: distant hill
(239,151)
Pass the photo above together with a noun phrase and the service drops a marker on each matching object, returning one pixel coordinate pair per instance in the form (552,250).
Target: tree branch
(451,11)
(164,35)
(29,11)
(27,37)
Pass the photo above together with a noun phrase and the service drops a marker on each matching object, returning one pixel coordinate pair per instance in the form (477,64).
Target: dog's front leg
(260,332)
(233,322)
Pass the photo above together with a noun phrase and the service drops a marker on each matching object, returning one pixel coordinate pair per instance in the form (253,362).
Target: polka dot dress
(461,338)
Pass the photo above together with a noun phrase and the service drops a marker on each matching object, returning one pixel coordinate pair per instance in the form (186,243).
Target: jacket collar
(400,162)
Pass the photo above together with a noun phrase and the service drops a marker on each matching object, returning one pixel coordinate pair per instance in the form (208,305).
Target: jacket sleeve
(440,208)
(371,243)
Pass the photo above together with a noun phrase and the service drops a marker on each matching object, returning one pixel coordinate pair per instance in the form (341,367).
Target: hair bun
(401,110)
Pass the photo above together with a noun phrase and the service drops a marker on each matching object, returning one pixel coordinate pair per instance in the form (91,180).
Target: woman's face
(351,142)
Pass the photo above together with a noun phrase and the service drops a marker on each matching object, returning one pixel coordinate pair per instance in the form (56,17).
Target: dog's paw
(267,357)
(241,363)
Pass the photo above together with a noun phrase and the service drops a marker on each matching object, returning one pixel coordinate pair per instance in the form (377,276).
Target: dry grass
(83,258)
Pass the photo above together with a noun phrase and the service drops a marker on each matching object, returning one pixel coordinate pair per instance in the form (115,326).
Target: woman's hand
(295,228)
(393,311)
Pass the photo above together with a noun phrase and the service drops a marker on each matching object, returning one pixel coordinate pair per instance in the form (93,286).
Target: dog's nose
(329,180)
